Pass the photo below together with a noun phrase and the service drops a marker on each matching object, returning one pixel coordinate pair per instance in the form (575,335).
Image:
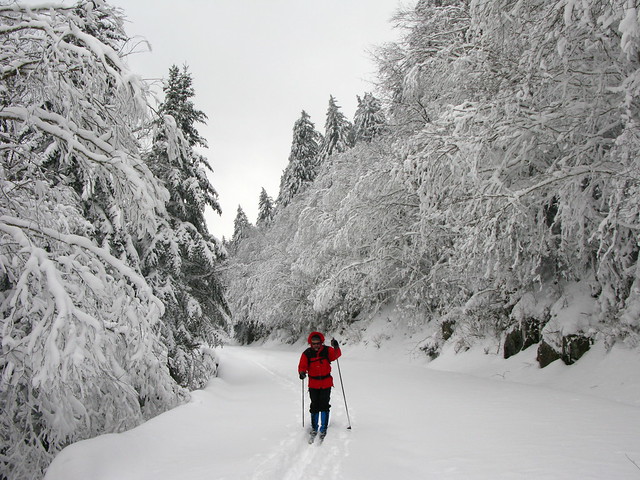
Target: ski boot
(314,427)
(324,424)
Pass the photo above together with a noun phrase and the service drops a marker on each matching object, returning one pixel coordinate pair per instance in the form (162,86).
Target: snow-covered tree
(80,351)
(305,144)
(266,209)
(338,131)
(181,263)
(303,160)
(433,65)
(178,93)
(241,228)
(262,292)
(369,120)
(335,251)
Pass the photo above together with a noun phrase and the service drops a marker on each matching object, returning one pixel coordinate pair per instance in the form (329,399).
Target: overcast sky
(256,65)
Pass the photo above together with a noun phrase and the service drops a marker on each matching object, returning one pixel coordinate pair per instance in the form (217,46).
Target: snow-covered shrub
(431,347)
(478,324)
(193,368)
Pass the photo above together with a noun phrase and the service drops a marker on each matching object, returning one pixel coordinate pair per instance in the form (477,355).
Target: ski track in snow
(294,458)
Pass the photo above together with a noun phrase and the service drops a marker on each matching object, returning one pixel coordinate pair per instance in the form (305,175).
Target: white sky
(256,65)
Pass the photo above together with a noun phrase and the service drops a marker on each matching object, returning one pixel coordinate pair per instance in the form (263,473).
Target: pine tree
(265,209)
(241,228)
(303,160)
(338,131)
(181,262)
(369,120)
(178,91)
(181,166)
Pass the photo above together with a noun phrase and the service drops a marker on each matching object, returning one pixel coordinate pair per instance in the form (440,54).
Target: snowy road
(408,422)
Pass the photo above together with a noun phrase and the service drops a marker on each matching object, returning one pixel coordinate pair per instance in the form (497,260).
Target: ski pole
(343,395)
(302,384)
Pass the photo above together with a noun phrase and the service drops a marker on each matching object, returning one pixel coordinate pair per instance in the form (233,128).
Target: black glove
(303,375)
(334,343)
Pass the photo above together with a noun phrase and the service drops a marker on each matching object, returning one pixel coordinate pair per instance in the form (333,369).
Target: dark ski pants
(319,399)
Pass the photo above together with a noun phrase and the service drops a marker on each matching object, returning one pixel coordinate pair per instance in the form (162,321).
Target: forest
(492,183)
(486,186)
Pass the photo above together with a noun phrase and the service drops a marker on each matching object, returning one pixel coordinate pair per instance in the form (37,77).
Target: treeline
(505,174)
(109,293)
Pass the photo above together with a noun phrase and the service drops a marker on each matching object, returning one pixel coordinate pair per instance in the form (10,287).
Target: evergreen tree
(241,228)
(178,92)
(181,262)
(303,159)
(265,209)
(369,120)
(338,131)
(178,164)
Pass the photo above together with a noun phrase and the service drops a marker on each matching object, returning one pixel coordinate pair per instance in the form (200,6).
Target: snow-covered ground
(469,416)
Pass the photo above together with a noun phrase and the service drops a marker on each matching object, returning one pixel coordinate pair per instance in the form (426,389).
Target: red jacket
(317,364)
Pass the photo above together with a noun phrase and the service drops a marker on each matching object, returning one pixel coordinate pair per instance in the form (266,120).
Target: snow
(630,32)
(463,416)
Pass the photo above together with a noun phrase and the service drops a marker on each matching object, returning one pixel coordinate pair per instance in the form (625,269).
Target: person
(316,362)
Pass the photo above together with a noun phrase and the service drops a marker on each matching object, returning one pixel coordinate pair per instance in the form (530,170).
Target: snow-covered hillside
(459,417)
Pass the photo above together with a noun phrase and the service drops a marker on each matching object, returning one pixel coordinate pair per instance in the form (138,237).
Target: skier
(316,361)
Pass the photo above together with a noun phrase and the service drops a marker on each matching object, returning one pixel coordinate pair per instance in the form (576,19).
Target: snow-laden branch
(64,129)
(60,25)
(7,222)
(563,175)
(79,341)
(84,142)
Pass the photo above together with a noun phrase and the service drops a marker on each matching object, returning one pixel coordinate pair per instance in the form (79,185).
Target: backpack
(310,353)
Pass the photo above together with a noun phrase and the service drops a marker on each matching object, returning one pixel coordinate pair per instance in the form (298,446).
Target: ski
(315,435)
